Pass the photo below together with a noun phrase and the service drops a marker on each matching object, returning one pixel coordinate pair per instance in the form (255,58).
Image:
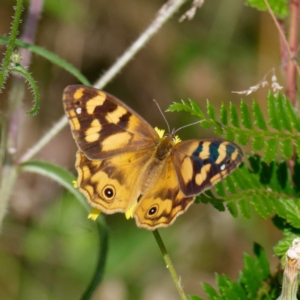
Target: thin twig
(169,264)
(58,126)
(163,15)
(282,35)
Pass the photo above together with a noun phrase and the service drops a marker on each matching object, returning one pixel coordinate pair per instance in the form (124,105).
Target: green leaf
(238,179)
(229,134)
(23,71)
(244,207)
(243,138)
(232,207)
(284,119)
(292,115)
(190,107)
(56,60)
(284,244)
(218,129)
(259,120)
(287,148)
(234,118)
(291,211)
(220,189)
(196,109)
(217,204)
(208,197)
(271,149)
(279,7)
(262,205)
(229,185)
(210,291)
(206,124)
(273,113)
(56,173)
(229,289)
(223,114)
(246,117)
(210,110)
(251,277)
(262,260)
(258,142)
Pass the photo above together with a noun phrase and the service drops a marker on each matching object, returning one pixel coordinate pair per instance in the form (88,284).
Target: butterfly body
(123,160)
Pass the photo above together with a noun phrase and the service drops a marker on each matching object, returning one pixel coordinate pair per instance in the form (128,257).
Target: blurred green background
(48,248)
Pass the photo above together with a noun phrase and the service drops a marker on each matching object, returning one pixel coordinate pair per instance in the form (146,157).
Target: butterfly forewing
(202,163)
(104,126)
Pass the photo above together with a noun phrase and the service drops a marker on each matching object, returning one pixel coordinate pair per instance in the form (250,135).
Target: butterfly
(124,163)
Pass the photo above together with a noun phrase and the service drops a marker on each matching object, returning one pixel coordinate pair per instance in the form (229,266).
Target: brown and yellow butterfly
(123,162)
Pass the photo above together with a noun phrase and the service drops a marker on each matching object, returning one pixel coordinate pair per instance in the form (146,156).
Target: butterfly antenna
(220,124)
(163,115)
(187,126)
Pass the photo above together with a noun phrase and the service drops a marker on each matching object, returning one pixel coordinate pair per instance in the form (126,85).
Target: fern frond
(278,132)
(251,284)
(265,187)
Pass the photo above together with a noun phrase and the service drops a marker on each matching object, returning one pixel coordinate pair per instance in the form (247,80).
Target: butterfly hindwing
(163,202)
(112,184)
(102,125)
(202,163)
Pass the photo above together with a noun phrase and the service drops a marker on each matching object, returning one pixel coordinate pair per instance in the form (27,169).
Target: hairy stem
(11,43)
(282,36)
(293,45)
(170,265)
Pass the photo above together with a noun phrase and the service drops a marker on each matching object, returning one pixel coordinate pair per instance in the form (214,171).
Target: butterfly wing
(112,184)
(192,167)
(102,125)
(200,164)
(163,202)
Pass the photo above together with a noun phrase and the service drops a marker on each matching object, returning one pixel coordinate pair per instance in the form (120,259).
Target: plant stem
(170,265)
(282,35)
(293,45)
(30,27)
(11,43)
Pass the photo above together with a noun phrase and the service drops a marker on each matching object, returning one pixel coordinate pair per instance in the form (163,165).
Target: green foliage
(266,183)
(21,70)
(279,7)
(251,283)
(279,132)
(11,42)
(51,57)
